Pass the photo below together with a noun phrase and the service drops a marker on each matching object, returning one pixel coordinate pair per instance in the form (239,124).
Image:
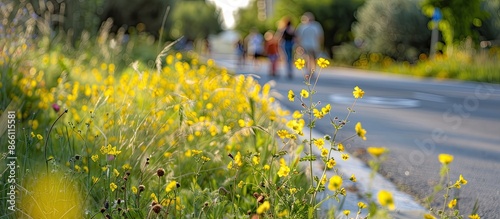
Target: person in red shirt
(272,51)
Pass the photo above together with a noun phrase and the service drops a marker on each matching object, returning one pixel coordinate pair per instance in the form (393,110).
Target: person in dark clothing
(287,39)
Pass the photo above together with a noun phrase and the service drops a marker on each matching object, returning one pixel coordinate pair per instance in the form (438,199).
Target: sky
(228,7)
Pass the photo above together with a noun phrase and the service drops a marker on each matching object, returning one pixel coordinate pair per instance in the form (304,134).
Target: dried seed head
(103,210)
(255,195)
(160,172)
(260,199)
(157,208)
(177,184)
(141,188)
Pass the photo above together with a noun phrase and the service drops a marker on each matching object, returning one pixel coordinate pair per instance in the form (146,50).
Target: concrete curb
(406,206)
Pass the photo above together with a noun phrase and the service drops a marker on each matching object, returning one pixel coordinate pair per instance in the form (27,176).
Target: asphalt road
(416,119)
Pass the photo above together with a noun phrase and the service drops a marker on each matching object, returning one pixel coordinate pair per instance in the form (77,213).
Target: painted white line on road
(382,102)
(429,97)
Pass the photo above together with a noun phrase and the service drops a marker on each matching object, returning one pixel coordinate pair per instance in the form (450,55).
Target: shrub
(392,28)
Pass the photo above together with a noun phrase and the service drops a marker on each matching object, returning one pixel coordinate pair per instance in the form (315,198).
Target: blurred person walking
(287,40)
(241,52)
(272,51)
(310,38)
(255,45)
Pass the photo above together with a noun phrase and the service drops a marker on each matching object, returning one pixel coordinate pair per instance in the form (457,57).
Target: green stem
(48,137)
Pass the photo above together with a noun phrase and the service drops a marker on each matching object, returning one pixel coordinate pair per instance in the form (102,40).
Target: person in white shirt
(310,38)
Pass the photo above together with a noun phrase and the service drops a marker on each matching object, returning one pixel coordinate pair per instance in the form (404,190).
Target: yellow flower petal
(445,158)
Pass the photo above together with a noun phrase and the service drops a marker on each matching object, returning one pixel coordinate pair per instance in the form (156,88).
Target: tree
(460,18)
(195,20)
(490,28)
(392,27)
(247,19)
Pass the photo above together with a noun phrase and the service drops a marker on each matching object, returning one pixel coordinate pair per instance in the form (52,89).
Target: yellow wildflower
(116,173)
(335,183)
(266,167)
(134,190)
(326,109)
(109,150)
(323,180)
(95,179)
(95,157)
(340,146)
(170,186)
(113,186)
(304,93)
(345,156)
(353,178)
(360,131)
(324,152)
(445,158)
(323,63)
(283,133)
(461,180)
(346,212)
(452,203)
(296,115)
(153,196)
(263,207)
(358,92)
(330,163)
(40,137)
(318,114)
(320,142)
(474,216)
(283,171)
(237,159)
(196,152)
(361,205)
(376,151)
(241,184)
(291,96)
(385,199)
(300,63)
(256,160)
(126,167)
(205,159)
(429,216)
